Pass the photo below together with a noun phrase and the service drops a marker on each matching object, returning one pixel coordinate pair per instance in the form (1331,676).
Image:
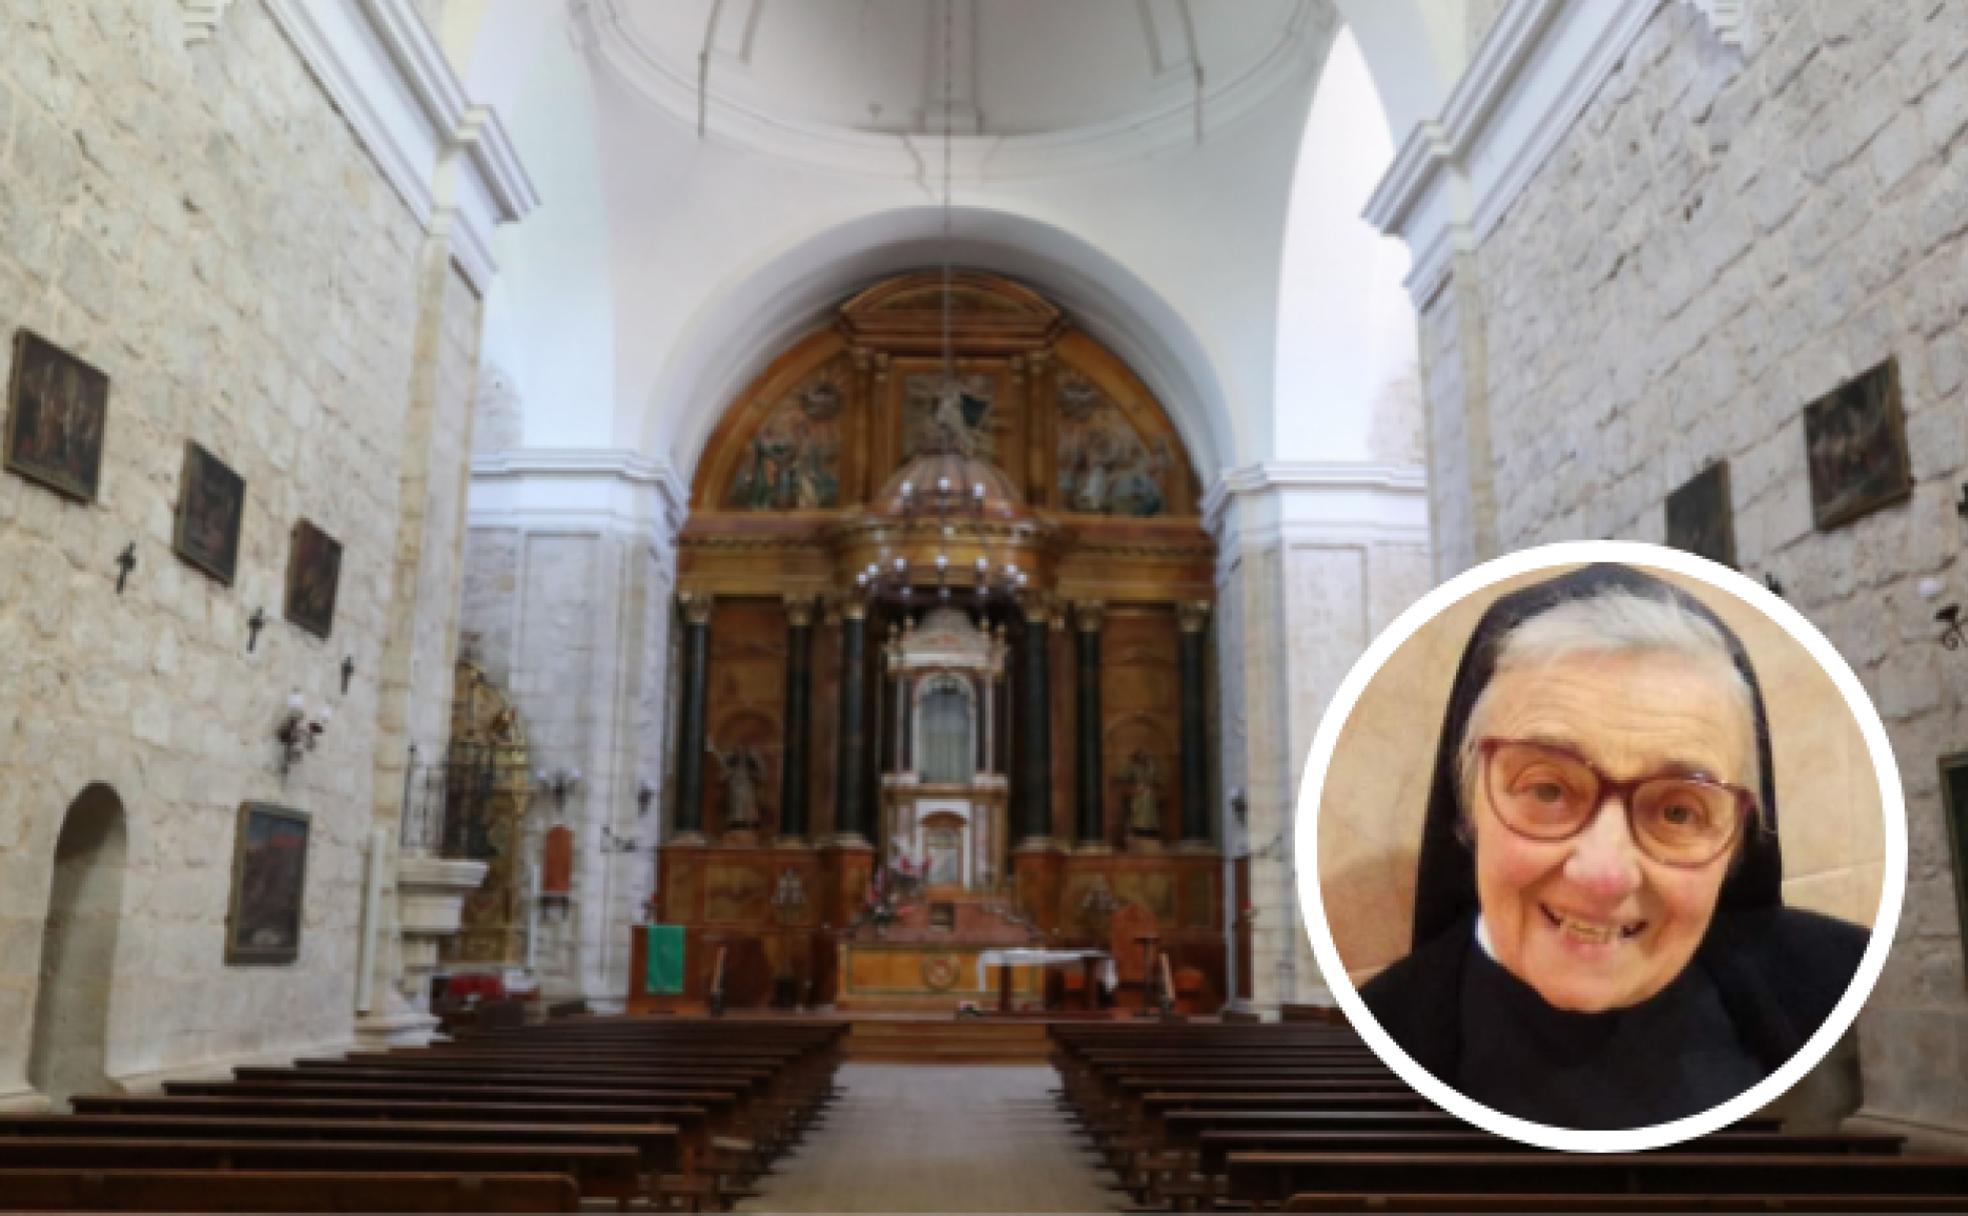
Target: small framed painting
(269,878)
(314,571)
(1699,520)
(211,503)
(1855,439)
(57,411)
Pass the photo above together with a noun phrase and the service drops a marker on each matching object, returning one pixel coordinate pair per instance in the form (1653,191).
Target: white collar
(1483,937)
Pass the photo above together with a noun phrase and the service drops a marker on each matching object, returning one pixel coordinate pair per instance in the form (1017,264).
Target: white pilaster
(1313,559)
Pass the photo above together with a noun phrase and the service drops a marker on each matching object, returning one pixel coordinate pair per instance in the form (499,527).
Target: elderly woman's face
(1592,922)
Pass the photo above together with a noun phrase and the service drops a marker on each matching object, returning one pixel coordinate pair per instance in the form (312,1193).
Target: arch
(1415,49)
(70,1049)
(765,307)
(946,724)
(1344,384)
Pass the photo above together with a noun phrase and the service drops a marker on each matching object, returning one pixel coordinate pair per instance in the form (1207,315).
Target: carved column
(1088,823)
(1034,822)
(690,732)
(799,684)
(1194,618)
(859,461)
(850,800)
(1042,448)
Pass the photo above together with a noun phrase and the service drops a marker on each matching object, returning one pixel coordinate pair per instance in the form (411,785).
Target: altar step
(951,1042)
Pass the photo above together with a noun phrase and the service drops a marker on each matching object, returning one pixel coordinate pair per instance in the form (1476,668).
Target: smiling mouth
(1592,932)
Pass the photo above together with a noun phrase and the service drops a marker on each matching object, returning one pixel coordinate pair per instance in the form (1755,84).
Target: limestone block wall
(1294,612)
(1723,236)
(202,225)
(575,623)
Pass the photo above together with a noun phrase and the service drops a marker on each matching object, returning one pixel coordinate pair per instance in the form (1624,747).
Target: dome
(829,76)
(949,483)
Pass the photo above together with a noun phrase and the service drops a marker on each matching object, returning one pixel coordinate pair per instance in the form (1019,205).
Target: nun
(1600,939)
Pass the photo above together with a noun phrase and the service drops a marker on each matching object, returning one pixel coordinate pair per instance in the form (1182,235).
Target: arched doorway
(78,949)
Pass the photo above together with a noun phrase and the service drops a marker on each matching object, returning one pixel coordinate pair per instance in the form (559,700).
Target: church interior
(755,582)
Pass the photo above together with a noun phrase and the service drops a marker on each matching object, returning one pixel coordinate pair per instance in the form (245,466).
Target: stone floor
(917,1138)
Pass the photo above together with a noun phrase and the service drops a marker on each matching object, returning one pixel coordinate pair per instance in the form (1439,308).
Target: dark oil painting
(57,410)
(1855,438)
(1699,519)
(269,873)
(211,503)
(314,570)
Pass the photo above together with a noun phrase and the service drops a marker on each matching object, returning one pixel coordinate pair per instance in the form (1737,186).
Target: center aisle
(924,1138)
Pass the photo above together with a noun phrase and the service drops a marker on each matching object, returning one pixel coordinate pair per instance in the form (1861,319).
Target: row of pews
(651,1114)
(1302,1117)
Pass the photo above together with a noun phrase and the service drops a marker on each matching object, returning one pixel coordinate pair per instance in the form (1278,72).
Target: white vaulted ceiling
(823,78)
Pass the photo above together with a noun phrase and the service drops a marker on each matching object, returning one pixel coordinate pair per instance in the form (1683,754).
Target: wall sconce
(254,624)
(1950,617)
(298,731)
(558,784)
(126,561)
(614,842)
(348,672)
(645,794)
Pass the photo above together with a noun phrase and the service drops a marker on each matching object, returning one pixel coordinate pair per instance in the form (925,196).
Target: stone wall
(575,623)
(1295,609)
(201,225)
(1724,236)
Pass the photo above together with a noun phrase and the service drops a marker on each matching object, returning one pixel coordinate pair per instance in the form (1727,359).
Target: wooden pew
(609,1172)
(1268,1179)
(136,1190)
(1203,1178)
(1779,1201)
(659,1145)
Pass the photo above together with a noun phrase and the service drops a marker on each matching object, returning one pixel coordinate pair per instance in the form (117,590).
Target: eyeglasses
(1545,792)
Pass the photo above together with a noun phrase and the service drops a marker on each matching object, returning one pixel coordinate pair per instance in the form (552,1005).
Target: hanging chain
(949,75)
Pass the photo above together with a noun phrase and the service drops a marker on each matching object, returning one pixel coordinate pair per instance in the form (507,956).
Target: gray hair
(1615,621)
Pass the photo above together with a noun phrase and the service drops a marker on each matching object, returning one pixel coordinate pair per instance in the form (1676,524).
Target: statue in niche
(1144,802)
(744,769)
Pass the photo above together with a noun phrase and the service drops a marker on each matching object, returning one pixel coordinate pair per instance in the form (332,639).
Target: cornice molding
(1313,475)
(1728,18)
(605,489)
(1323,501)
(600,27)
(201,19)
(1455,178)
(451,162)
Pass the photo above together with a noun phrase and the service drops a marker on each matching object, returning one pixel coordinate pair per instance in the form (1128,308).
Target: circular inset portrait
(1601,846)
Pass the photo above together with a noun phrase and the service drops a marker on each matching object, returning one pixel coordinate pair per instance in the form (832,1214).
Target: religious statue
(744,769)
(1144,804)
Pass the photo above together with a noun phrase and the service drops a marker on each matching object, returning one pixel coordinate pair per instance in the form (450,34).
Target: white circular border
(1631,553)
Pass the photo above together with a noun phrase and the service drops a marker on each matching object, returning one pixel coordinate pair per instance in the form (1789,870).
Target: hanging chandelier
(942,496)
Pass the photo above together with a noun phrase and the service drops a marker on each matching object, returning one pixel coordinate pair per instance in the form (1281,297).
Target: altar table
(1099,967)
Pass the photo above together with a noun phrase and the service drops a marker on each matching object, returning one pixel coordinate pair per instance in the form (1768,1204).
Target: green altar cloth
(664,974)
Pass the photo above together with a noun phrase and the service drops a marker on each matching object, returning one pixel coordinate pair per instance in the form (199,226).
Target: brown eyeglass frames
(1547,792)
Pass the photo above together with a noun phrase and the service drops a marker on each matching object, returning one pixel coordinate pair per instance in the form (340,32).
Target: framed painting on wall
(1699,519)
(1855,444)
(57,411)
(314,570)
(211,503)
(269,878)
